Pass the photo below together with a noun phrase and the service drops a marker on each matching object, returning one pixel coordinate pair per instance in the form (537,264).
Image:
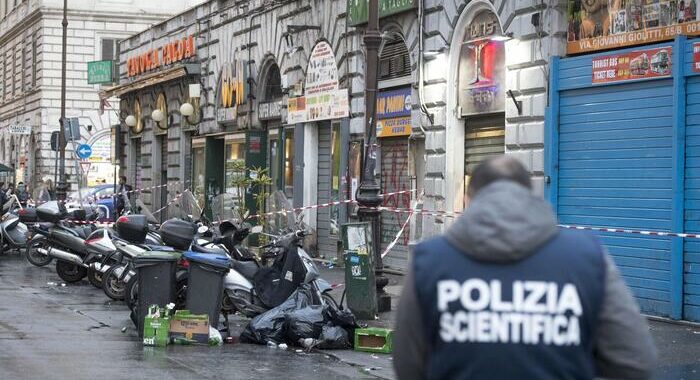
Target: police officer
(505,294)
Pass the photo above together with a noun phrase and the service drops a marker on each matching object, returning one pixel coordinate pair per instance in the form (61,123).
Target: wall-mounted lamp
(187,110)
(130,121)
(158,116)
(503,37)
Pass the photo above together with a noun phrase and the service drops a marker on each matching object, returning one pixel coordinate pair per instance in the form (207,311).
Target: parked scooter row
(106,255)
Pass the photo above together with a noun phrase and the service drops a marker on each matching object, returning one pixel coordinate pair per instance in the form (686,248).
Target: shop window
(335,177)
(198,173)
(273,159)
(235,156)
(289,163)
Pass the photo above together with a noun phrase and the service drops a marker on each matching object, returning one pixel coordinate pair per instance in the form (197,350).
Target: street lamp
(130,121)
(158,116)
(368,195)
(61,187)
(187,110)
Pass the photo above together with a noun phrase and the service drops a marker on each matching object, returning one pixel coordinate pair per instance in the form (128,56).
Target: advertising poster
(696,57)
(639,64)
(608,24)
(394,112)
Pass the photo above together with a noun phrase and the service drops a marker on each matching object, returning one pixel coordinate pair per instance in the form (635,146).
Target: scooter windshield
(185,207)
(227,207)
(140,208)
(284,218)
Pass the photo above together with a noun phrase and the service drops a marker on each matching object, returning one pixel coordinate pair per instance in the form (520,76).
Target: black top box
(132,228)
(51,212)
(178,233)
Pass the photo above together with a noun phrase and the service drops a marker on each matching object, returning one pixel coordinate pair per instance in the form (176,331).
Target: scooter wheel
(95,277)
(70,272)
(34,257)
(131,292)
(112,286)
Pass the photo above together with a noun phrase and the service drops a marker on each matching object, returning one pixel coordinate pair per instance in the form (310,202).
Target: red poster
(638,64)
(696,57)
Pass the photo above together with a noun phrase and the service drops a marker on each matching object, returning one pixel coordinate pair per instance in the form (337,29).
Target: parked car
(100,196)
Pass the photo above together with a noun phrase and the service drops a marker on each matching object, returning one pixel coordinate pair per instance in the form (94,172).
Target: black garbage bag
(333,338)
(305,323)
(271,325)
(344,319)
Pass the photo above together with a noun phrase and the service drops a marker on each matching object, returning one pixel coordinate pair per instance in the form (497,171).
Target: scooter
(13,233)
(252,289)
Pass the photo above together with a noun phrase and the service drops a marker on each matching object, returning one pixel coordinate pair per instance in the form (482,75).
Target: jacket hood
(503,223)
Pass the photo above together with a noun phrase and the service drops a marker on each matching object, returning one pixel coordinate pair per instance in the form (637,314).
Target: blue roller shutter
(691,275)
(614,170)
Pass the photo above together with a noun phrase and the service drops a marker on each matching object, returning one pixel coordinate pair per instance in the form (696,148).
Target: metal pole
(61,188)
(369,192)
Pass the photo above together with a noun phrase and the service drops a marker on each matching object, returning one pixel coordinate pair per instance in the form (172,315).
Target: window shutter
(108,49)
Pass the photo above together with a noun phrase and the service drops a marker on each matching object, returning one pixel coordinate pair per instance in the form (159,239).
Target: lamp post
(62,185)
(368,195)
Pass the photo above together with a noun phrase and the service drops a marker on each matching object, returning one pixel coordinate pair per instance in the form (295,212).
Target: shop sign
(398,126)
(270,110)
(357,9)
(169,53)
(323,99)
(100,72)
(696,57)
(20,129)
(232,90)
(601,24)
(482,67)
(394,103)
(639,64)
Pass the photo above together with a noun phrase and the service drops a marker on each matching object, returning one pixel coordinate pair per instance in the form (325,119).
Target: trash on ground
(156,326)
(374,339)
(189,328)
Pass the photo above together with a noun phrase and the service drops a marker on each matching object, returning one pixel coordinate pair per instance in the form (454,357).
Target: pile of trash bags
(300,322)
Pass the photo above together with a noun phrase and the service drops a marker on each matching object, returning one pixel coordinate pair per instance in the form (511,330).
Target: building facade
(30,78)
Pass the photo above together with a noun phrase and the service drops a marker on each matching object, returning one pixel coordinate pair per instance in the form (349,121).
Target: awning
(151,80)
(6,169)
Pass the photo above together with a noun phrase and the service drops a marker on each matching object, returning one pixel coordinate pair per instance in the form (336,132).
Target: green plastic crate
(374,339)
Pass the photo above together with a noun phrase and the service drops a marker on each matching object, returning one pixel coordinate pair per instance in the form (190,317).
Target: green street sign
(357,9)
(100,72)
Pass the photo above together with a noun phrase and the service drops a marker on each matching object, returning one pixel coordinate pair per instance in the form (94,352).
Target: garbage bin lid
(157,256)
(213,259)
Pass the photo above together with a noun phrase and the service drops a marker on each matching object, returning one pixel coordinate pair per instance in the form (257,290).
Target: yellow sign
(232,91)
(398,126)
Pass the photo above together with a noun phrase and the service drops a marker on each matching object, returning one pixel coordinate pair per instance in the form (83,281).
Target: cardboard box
(188,328)
(155,327)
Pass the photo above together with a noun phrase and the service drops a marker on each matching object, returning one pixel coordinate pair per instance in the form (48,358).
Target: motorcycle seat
(247,269)
(200,249)
(13,223)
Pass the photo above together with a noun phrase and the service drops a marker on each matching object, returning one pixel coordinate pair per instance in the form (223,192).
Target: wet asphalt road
(49,331)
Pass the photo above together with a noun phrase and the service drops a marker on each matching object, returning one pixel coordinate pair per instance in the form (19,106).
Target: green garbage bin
(156,277)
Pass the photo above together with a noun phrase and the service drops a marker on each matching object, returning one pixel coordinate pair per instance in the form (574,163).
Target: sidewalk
(678,343)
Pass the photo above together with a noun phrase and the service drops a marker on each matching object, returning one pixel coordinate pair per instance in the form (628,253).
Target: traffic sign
(85,166)
(84,151)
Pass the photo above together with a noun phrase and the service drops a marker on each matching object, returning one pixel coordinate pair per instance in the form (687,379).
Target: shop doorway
(484,137)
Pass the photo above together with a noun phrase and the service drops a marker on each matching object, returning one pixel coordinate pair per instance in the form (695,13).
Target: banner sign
(599,25)
(394,103)
(270,110)
(296,110)
(357,9)
(639,64)
(100,72)
(232,90)
(398,126)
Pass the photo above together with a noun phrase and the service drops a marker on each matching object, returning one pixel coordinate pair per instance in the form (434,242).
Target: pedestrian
(46,193)
(123,196)
(506,294)
(22,194)
(10,190)
(3,195)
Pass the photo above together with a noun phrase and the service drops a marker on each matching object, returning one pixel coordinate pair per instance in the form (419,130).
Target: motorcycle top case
(217,261)
(132,228)
(178,233)
(50,212)
(27,215)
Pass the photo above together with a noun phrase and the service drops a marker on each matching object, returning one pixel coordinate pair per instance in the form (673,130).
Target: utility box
(360,284)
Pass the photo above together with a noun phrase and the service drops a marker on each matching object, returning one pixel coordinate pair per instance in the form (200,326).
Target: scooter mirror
(202,230)
(256,229)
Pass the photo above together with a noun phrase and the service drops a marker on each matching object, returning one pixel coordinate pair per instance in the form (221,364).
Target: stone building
(30,75)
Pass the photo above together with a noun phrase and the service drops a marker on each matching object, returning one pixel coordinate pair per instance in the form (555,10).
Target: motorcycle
(252,287)
(58,238)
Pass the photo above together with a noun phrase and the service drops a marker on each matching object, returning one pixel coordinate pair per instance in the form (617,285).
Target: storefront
(482,93)
(621,146)
(622,154)
(323,109)
(158,80)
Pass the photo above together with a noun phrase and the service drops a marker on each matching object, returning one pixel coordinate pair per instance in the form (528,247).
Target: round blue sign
(84,151)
